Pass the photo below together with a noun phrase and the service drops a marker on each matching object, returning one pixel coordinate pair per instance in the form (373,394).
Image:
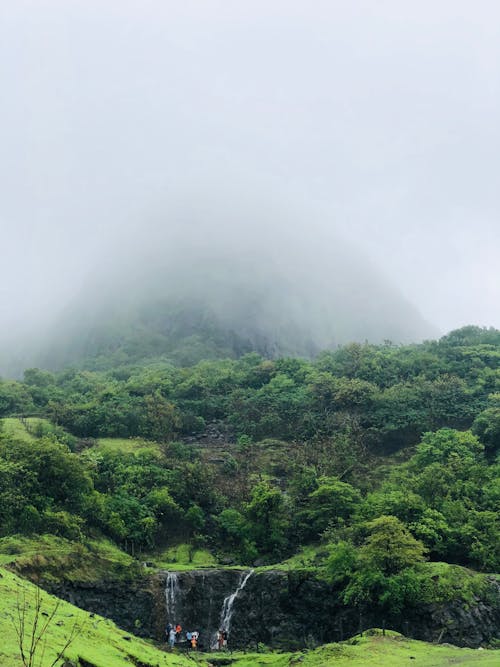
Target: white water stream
(227,607)
(172,591)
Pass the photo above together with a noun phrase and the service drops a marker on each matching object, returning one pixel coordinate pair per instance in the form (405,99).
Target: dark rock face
(200,600)
(280,609)
(464,625)
(289,610)
(132,606)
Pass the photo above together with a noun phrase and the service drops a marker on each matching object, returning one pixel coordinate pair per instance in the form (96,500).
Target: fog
(198,131)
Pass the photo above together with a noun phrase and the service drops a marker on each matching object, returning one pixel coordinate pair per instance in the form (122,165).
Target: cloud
(376,120)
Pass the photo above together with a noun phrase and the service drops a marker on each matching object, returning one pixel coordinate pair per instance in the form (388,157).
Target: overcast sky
(378,120)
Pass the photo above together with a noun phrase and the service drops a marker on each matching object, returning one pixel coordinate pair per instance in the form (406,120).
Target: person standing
(171,638)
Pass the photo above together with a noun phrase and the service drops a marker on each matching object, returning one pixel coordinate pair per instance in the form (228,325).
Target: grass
(14,429)
(56,559)
(126,445)
(309,557)
(454,582)
(100,642)
(179,558)
(373,650)
(16,547)
(32,428)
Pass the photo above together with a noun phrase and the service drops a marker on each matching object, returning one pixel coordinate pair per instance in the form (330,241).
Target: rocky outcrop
(132,606)
(277,608)
(464,624)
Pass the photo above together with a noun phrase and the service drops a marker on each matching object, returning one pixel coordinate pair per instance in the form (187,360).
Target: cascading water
(227,607)
(172,591)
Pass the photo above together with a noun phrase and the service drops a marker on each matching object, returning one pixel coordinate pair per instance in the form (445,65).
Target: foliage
(268,516)
(377,454)
(487,425)
(389,546)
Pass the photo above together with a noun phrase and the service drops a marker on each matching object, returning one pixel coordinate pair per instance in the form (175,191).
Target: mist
(311,152)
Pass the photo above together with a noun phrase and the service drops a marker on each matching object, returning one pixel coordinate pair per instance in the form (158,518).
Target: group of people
(174,636)
(174,633)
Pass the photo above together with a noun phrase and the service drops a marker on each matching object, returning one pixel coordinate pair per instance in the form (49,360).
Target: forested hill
(289,421)
(391,393)
(376,458)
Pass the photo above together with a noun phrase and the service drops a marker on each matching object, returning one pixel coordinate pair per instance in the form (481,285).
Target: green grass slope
(374,650)
(127,445)
(57,559)
(13,428)
(181,557)
(100,643)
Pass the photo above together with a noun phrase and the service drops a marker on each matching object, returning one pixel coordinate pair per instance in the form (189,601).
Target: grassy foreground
(374,650)
(100,643)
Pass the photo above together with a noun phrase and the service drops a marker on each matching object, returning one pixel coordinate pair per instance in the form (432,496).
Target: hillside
(97,643)
(366,478)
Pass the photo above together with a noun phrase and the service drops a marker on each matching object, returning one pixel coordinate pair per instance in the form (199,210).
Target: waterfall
(172,591)
(227,607)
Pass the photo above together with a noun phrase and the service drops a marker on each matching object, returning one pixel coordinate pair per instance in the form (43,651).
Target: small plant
(31,632)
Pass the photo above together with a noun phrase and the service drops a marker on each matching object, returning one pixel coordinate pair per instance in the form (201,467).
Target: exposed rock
(124,603)
(215,433)
(278,608)
(459,624)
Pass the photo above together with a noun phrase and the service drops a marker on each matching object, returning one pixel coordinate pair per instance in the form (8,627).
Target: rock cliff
(278,608)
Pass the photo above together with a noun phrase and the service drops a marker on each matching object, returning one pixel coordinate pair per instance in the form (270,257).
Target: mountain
(227,306)
(190,290)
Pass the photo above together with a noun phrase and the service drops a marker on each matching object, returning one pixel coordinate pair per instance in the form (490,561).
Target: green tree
(162,419)
(389,547)
(332,502)
(441,446)
(341,563)
(268,520)
(57,477)
(14,399)
(486,426)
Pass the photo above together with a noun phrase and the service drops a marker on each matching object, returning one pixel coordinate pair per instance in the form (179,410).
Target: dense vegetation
(377,456)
